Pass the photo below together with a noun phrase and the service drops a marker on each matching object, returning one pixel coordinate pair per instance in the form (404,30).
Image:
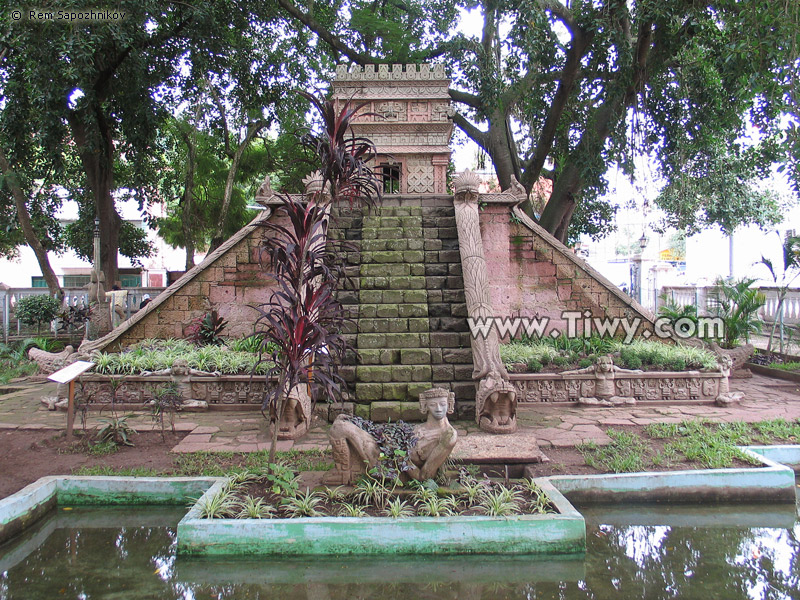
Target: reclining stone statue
(355,451)
(605,391)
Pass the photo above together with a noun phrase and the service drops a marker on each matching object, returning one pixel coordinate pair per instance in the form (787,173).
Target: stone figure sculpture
(496,398)
(180,373)
(725,397)
(296,417)
(355,451)
(605,391)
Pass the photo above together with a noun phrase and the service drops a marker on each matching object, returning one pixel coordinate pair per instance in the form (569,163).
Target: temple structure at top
(411,126)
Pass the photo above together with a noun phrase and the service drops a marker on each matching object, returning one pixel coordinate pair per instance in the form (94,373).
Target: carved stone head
(438,402)
(496,406)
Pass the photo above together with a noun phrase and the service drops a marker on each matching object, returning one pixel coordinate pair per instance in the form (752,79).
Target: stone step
(397,297)
(392,325)
(392,244)
(406,310)
(411,282)
(393,233)
(392,256)
(404,341)
(393,373)
(366,392)
(381,221)
(392,270)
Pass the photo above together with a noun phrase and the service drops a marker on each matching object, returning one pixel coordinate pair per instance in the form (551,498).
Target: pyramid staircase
(406,299)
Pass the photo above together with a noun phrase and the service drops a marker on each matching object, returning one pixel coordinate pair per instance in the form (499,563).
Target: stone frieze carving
(651,386)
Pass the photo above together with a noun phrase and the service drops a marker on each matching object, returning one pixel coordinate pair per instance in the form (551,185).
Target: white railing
(703,299)
(13,327)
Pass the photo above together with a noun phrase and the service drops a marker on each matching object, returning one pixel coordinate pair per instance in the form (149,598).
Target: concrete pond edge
(562,534)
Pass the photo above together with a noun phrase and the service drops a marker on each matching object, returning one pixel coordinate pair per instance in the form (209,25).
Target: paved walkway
(551,425)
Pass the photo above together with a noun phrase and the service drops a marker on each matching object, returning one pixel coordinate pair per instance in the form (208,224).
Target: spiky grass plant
(254,508)
(351,509)
(437,506)
(303,504)
(496,503)
(221,505)
(398,509)
(369,490)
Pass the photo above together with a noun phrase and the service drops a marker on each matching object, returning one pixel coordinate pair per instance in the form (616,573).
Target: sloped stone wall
(230,280)
(531,274)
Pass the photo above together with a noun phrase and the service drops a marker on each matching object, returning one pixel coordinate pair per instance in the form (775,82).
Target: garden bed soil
(31,454)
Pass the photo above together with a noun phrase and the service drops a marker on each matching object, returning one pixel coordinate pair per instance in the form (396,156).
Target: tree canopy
(564,90)
(560,90)
(97,92)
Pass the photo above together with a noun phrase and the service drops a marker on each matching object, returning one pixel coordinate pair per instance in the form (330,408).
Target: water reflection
(635,553)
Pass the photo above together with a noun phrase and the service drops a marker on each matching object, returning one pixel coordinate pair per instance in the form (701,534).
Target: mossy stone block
(369,391)
(415,356)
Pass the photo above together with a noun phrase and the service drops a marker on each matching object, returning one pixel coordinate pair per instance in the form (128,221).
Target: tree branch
(561,12)
(479,137)
(332,40)
(470,100)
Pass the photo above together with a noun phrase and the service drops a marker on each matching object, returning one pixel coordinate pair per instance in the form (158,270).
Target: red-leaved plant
(303,318)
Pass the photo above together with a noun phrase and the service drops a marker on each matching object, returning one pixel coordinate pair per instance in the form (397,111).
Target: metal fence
(13,328)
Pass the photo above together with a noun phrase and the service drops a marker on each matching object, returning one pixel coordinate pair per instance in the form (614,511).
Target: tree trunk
(97,158)
(252,130)
(24,218)
(188,195)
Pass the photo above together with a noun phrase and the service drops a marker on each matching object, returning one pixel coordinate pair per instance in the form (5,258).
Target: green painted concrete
(560,534)
(564,533)
(772,482)
(32,502)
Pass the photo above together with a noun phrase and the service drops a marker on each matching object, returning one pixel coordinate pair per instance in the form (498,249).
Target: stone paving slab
(548,424)
(520,447)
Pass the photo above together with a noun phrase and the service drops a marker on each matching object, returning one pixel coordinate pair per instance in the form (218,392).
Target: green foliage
(347,509)
(395,442)
(149,356)
(79,236)
(737,303)
(37,309)
(254,508)
(221,505)
(305,504)
(207,330)
(499,503)
(398,509)
(115,430)
(639,352)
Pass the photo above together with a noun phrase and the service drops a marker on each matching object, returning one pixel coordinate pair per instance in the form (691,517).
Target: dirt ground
(29,455)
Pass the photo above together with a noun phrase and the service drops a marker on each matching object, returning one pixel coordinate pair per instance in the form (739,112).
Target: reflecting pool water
(641,552)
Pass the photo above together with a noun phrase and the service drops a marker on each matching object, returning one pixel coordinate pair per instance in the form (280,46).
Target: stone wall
(230,280)
(531,274)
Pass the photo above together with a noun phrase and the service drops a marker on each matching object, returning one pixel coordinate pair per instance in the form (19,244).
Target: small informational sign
(68,375)
(71,372)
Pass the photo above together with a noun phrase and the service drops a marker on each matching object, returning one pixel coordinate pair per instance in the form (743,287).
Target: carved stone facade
(495,400)
(644,387)
(227,390)
(410,122)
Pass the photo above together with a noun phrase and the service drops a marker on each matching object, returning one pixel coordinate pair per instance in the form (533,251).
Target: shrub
(585,362)
(207,330)
(534,366)
(633,362)
(35,310)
